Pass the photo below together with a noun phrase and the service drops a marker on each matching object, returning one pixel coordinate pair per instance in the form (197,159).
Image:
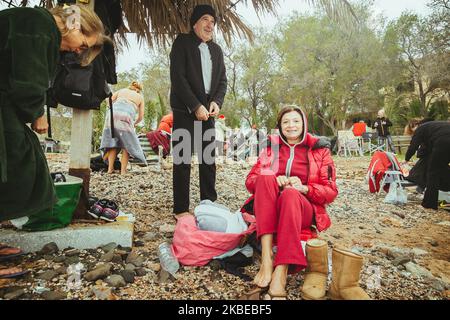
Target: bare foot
(279,279)
(264,276)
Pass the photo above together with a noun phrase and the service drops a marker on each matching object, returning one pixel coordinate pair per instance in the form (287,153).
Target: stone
(434,243)
(401,260)
(128,276)
(418,252)
(164,277)
(72,260)
(418,271)
(135,259)
(140,272)
(107,257)
(72,252)
(109,247)
(437,284)
(444,223)
(167,228)
(155,267)
(60,259)
(48,257)
(139,243)
(49,248)
(61,270)
(47,275)
(117,258)
(14,294)
(100,272)
(54,295)
(116,281)
(150,236)
(130,267)
(102,293)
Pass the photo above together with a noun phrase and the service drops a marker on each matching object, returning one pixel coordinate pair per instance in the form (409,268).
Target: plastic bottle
(167,259)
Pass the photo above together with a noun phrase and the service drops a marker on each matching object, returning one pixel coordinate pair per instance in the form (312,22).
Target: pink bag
(195,247)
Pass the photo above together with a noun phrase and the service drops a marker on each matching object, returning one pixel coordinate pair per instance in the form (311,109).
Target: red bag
(195,247)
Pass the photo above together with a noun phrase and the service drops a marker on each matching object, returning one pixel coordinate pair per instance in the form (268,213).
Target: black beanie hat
(200,10)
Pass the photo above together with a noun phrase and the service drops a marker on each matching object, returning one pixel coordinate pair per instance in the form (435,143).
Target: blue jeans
(382,141)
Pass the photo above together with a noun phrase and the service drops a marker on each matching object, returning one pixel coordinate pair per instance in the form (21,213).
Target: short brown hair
(286,109)
(413,123)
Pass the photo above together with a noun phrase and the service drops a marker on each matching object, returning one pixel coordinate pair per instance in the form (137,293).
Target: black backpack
(76,86)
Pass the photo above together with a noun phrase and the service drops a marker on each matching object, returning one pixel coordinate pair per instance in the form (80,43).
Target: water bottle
(166,258)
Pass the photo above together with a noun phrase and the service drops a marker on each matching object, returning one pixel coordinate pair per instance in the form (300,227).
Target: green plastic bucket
(60,216)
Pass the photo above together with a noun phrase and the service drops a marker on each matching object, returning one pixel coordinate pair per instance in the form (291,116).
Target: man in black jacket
(435,137)
(198,87)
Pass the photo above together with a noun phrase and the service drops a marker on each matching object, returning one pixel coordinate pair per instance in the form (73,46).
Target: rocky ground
(406,249)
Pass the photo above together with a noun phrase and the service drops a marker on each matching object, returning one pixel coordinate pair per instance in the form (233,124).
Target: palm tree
(158,21)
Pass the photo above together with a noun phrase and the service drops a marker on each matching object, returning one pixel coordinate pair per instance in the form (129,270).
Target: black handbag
(76,86)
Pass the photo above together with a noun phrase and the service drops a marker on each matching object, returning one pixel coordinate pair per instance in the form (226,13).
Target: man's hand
(202,114)
(213,109)
(40,125)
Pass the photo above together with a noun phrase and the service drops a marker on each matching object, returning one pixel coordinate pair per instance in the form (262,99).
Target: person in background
(166,123)
(128,104)
(221,134)
(382,124)
(359,128)
(30,42)
(432,139)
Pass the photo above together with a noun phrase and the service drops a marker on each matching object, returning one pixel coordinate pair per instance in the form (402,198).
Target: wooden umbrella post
(80,148)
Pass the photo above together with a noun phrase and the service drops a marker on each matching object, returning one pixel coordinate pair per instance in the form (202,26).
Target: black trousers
(190,135)
(438,175)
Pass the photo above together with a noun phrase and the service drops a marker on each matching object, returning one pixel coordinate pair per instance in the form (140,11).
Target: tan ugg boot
(314,286)
(346,267)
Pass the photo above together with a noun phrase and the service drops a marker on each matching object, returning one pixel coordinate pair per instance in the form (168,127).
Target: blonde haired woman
(30,41)
(128,107)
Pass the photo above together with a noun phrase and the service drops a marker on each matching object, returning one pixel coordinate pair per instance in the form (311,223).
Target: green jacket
(29,49)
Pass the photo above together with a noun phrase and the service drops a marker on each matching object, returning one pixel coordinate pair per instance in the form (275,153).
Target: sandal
(14,272)
(270,296)
(7,256)
(254,294)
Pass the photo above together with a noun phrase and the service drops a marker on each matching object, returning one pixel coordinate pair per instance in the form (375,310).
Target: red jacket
(321,172)
(166,123)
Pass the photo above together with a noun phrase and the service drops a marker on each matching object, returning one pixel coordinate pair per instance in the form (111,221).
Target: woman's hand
(40,125)
(283,181)
(296,183)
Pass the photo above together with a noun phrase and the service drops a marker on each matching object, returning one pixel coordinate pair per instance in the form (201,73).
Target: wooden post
(80,149)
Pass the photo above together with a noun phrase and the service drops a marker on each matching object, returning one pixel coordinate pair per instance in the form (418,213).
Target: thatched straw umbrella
(157,22)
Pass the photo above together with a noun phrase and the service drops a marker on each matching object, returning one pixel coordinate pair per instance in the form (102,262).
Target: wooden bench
(401,142)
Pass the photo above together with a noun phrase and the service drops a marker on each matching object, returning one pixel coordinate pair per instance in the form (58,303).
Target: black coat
(427,134)
(187,88)
(382,126)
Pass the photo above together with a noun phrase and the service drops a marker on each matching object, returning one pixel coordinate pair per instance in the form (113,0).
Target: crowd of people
(292,182)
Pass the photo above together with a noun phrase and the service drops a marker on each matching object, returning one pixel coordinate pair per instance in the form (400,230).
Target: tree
(330,70)
(425,56)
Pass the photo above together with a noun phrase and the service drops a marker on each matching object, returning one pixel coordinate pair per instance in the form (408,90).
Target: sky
(392,9)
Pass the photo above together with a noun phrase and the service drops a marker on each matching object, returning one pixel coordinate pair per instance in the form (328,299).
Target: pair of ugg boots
(346,269)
